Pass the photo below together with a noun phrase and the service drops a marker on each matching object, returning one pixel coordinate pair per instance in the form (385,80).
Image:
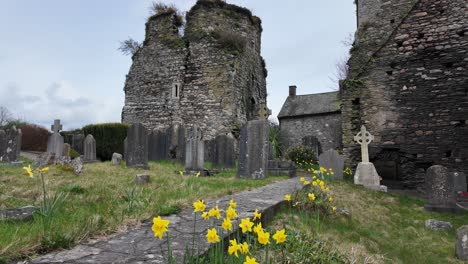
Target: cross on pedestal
(364,138)
(263,112)
(56,127)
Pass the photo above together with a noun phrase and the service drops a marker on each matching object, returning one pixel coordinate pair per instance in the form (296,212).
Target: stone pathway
(140,246)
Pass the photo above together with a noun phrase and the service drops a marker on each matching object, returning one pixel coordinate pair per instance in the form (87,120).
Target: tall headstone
(89,148)
(10,144)
(159,142)
(66,150)
(366,174)
(194,150)
(224,155)
(442,189)
(253,152)
(332,159)
(55,142)
(137,147)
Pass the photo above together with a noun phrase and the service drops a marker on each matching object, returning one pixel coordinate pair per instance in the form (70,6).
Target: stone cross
(364,138)
(264,112)
(56,127)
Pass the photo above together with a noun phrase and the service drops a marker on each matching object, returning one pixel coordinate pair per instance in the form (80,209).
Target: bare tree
(5,116)
(341,65)
(129,46)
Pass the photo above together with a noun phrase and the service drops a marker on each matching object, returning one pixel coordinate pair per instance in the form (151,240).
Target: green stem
(169,252)
(266,254)
(193,234)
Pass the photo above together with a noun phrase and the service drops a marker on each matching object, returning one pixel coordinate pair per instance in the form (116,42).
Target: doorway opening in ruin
(387,164)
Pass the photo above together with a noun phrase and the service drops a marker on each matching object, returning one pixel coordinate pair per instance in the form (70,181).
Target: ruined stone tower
(408,83)
(212,76)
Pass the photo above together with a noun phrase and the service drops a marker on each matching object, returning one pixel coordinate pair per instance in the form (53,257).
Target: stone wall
(216,67)
(325,127)
(408,83)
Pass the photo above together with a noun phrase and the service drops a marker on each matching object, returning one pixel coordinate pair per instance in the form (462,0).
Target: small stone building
(312,120)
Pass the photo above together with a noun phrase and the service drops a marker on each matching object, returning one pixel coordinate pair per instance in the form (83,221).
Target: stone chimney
(292,90)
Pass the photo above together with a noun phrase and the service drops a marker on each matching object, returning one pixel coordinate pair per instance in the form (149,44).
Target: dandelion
(287,197)
(246,225)
(212,236)
(214,212)
(199,206)
(250,260)
(232,204)
(231,213)
(280,236)
(28,171)
(234,247)
(311,196)
(257,215)
(244,248)
(227,224)
(159,226)
(44,170)
(263,238)
(258,228)
(205,216)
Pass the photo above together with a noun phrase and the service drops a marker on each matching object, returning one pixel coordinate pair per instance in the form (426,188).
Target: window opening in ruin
(356,101)
(448,154)
(175,90)
(392,21)
(389,72)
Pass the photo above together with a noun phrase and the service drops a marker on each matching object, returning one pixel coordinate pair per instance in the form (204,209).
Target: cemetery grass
(103,200)
(383,228)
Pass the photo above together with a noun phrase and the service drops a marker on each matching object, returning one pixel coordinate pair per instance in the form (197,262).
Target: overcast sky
(59,59)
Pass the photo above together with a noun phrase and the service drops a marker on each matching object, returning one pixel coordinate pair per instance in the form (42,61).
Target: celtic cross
(56,127)
(364,138)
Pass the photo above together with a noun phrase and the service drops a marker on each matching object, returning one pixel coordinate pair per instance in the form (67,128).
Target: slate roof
(310,104)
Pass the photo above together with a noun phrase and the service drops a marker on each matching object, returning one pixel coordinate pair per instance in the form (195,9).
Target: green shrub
(109,138)
(303,156)
(74,154)
(34,137)
(276,140)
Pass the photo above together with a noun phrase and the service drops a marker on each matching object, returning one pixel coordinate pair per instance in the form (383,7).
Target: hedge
(34,137)
(109,138)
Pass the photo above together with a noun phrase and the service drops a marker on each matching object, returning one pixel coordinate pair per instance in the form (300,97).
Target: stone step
(140,246)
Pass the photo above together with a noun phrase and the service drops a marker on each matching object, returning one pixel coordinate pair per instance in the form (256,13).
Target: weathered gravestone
(10,144)
(125,146)
(137,147)
(116,159)
(253,152)
(461,245)
(55,142)
(442,189)
(89,147)
(66,150)
(194,150)
(224,155)
(366,174)
(159,143)
(332,159)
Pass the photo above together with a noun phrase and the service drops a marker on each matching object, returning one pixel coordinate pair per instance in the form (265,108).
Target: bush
(74,154)
(109,138)
(276,140)
(34,137)
(303,156)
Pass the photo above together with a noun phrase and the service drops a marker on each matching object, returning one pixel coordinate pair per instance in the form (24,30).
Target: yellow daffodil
(234,247)
(199,206)
(330,199)
(181,173)
(205,216)
(323,170)
(314,183)
(246,225)
(287,197)
(197,175)
(232,204)
(302,179)
(334,208)
(212,236)
(231,213)
(257,215)
(306,182)
(159,226)
(315,177)
(244,248)
(332,173)
(327,189)
(258,228)
(280,236)
(322,184)
(44,170)
(250,260)
(311,196)
(263,238)
(28,171)
(214,212)
(227,224)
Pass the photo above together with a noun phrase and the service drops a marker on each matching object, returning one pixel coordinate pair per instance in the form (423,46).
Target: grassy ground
(383,228)
(102,200)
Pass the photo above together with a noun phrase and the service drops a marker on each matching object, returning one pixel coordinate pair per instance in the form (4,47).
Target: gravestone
(224,155)
(253,152)
(461,245)
(442,189)
(10,145)
(125,145)
(366,174)
(194,150)
(332,159)
(66,150)
(89,147)
(178,141)
(116,159)
(159,142)
(137,147)
(55,142)
(77,142)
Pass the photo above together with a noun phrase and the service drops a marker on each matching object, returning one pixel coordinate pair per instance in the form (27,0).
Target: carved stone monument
(366,174)
(55,142)
(10,144)
(89,147)
(194,150)
(136,150)
(253,153)
(442,188)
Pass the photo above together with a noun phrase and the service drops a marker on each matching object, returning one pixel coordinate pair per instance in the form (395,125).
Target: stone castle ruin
(408,84)
(213,76)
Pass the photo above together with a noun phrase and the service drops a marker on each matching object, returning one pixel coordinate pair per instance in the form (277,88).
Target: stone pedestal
(367,175)
(253,152)
(461,245)
(194,150)
(136,149)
